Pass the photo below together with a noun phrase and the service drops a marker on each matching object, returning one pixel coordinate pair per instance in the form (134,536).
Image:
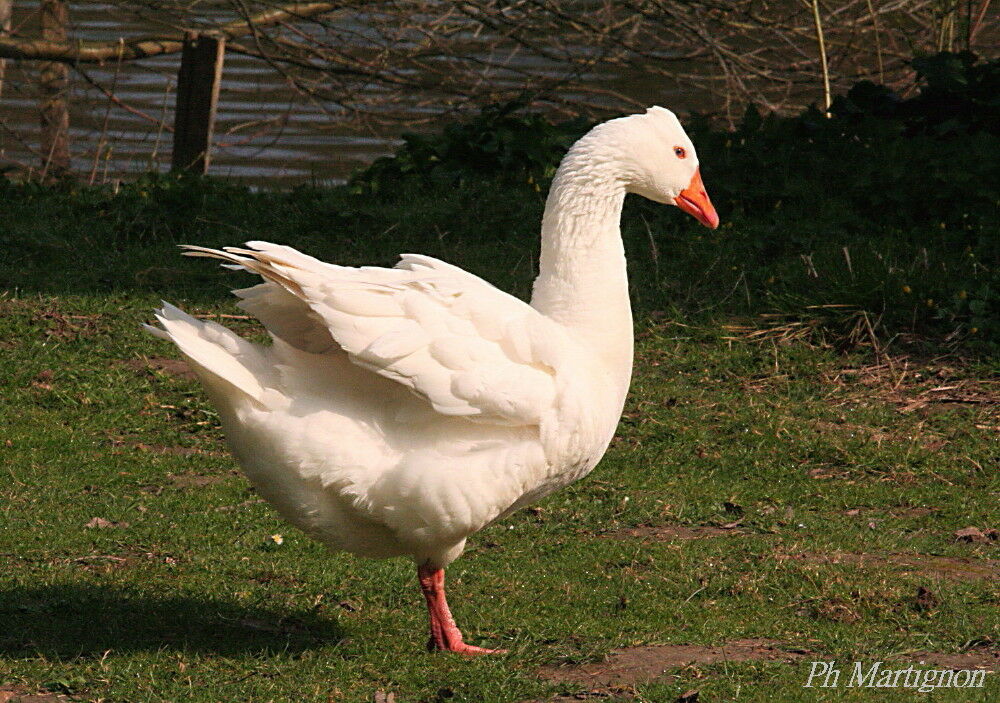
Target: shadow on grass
(69,620)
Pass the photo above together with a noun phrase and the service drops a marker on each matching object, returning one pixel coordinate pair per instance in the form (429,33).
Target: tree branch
(145,47)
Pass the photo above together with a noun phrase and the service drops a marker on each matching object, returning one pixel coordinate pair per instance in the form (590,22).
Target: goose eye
(680,152)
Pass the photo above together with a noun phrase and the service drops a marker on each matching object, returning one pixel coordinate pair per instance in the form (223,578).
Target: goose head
(658,161)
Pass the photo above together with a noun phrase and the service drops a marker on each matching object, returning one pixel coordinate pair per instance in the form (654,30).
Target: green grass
(187,600)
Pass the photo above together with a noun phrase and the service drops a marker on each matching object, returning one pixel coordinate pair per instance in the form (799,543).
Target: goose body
(399,411)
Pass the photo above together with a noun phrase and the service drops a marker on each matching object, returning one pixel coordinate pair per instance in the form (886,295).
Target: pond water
(266,132)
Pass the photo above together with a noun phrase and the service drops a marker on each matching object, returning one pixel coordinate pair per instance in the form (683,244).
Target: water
(266,132)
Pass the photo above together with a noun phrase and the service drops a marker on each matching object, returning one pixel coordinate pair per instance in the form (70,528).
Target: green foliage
(958,95)
(501,142)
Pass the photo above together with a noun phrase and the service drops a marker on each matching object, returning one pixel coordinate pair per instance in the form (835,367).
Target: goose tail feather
(225,362)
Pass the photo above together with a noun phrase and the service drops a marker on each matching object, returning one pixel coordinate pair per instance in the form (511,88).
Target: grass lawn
(791,503)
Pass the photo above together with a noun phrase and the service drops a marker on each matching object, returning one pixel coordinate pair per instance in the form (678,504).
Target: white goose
(398,411)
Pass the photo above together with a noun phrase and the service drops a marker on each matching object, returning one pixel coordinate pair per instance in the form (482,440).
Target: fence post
(197,95)
(6,10)
(54,85)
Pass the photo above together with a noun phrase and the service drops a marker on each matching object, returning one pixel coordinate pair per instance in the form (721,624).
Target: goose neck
(582,281)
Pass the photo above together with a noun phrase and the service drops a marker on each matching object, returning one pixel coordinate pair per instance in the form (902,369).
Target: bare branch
(143,48)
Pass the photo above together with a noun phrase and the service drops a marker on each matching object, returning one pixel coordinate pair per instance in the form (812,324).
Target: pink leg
(445,635)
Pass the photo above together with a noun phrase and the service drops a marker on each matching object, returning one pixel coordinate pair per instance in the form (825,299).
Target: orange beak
(694,201)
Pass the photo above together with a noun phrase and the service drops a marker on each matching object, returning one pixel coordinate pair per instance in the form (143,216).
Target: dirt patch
(974,534)
(107,563)
(171,367)
(14,695)
(101,564)
(924,388)
(238,506)
(667,533)
(879,436)
(597,696)
(196,480)
(613,678)
(625,667)
(973,659)
(186,481)
(924,564)
(892,511)
(99,523)
(57,325)
(832,610)
(177,451)
(43,380)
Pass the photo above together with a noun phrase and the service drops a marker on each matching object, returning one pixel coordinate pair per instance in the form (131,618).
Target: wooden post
(197,95)
(54,88)
(6,11)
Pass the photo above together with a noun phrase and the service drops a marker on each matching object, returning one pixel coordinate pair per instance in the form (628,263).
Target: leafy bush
(957,95)
(499,143)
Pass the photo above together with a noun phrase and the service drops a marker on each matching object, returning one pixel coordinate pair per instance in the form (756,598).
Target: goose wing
(450,337)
